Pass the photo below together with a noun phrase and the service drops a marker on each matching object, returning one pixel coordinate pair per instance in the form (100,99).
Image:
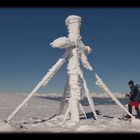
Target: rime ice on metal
(76,51)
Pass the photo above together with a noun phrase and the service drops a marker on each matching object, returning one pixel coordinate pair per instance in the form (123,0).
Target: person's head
(130,83)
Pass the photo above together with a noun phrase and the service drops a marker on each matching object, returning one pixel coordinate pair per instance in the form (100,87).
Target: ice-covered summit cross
(77,52)
(75,85)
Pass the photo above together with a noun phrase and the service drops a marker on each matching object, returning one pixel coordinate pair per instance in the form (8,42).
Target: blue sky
(26,56)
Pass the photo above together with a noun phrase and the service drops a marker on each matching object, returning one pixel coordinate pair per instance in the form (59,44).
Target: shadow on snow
(96,100)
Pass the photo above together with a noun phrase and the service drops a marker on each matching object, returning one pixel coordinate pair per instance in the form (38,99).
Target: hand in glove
(127,95)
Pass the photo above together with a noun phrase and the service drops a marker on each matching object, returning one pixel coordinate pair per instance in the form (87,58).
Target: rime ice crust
(76,51)
(61,42)
(73,23)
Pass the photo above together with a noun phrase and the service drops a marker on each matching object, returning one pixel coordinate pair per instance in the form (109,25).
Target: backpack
(138,86)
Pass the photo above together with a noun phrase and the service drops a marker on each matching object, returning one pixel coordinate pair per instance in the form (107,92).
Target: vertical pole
(66,92)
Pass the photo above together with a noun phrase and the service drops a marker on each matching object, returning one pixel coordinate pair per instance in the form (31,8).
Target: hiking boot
(138,113)
(137,117)
(127,116)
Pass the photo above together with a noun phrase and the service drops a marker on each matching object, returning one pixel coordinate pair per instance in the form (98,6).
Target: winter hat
(130,82)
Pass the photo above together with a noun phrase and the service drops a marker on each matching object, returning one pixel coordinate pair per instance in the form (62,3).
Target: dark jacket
(134,94)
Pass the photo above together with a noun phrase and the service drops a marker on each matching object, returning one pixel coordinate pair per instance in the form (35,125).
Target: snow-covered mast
(75,51)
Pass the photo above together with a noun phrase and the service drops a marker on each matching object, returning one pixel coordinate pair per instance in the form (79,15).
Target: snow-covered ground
(40,114)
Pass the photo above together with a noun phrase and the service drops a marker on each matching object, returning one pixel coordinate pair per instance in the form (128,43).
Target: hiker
(134,97)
